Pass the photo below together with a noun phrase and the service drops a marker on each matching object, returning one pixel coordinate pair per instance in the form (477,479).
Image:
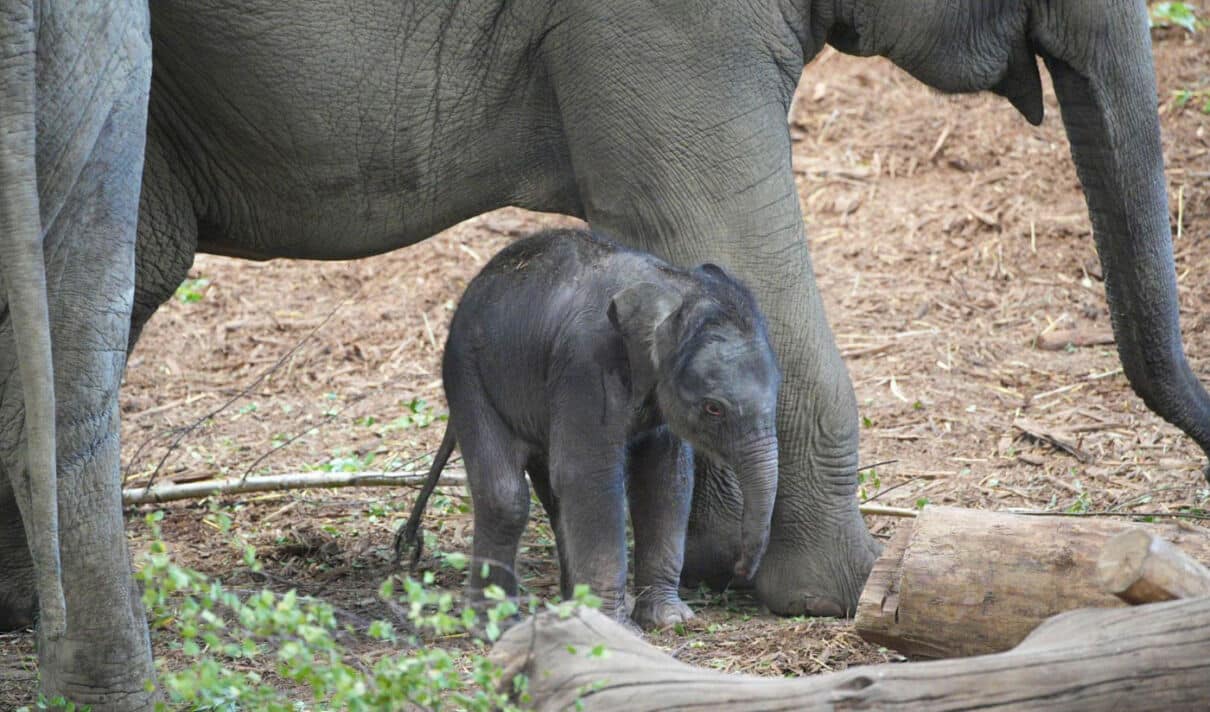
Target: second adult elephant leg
(18,597)
(820,551)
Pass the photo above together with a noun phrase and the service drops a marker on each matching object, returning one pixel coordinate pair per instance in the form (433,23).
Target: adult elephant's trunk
(24,272)
(1109,111)
(756,468)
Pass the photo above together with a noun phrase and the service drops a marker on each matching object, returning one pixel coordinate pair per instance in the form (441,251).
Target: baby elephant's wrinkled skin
(598,370)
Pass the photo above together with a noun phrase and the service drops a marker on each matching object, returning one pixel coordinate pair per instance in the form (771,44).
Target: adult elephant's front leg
(820,551)
(93,71)
(691,160)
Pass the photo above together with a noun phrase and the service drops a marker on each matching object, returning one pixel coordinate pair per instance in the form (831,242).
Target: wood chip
(1058,339)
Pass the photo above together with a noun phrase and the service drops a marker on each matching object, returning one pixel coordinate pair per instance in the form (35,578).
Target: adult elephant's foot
(820,552)
(817,568)
(817,571)
(103,661)
(657,610)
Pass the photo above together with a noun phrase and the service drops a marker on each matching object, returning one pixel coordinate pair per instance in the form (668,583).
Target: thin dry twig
(183,432)
(274,483)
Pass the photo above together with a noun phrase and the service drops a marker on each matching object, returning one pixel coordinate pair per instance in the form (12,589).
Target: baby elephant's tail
(408,536)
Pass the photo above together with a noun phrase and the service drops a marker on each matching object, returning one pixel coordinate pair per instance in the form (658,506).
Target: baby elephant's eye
(713,409)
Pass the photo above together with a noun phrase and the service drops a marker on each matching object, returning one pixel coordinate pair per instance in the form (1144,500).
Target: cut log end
(1139,567)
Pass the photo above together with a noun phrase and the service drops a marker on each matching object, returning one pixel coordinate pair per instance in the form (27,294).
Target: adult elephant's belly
(303,132)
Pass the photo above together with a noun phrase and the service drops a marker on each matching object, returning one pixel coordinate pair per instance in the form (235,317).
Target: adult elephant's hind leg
(105,658)
(167,236)
(93,73)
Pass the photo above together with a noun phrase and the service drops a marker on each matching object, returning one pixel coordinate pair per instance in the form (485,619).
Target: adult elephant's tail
(23,269)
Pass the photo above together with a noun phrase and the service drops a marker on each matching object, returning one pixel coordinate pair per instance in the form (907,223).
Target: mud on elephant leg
(18,597)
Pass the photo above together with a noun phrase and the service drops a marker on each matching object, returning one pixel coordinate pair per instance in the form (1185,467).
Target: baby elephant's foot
(660,611)
(620,612)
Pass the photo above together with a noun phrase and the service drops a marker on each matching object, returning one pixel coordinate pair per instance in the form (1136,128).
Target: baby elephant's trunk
(756,468)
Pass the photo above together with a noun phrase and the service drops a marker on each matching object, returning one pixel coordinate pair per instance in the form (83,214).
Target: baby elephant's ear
(637,313)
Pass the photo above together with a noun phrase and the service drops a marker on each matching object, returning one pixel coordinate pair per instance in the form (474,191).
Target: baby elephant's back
(514,309)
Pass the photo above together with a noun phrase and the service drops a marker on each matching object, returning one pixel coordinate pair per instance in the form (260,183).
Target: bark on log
(1150,657)
(957,582)
(1139,567)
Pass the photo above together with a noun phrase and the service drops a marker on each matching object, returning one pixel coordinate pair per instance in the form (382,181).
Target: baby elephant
(594,368)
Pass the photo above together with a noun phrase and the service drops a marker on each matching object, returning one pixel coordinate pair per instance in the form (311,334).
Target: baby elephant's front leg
(590,488)
(660,488)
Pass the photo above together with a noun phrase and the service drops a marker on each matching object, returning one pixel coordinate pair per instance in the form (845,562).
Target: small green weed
(59,704)
(1196,97)
(343,461)
(192,290)
(1175,14)
(417,414)
(868,484)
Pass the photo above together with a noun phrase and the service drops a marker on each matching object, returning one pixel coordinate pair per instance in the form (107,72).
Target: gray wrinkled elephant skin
(334,130)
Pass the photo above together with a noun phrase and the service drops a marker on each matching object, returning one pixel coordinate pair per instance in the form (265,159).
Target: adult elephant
(336,132)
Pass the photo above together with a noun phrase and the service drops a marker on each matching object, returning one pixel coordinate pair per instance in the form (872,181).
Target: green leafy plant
(417,414)
(192,290)
(1083,502)
(1178,14)
(59,704)
(1185,97)
(344,462)
(868,483)
(229,637)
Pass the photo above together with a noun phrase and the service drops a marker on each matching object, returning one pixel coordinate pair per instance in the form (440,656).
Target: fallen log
(1151,657)
(957,582)
(1140,567)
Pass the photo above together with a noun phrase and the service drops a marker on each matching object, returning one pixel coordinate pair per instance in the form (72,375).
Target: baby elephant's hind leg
(499,496)
(539,476)
(660,489)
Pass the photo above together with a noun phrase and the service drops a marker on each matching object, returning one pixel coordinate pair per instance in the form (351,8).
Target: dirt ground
(948,235)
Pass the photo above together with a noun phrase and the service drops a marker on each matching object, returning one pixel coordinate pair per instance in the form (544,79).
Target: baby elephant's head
(703,348)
